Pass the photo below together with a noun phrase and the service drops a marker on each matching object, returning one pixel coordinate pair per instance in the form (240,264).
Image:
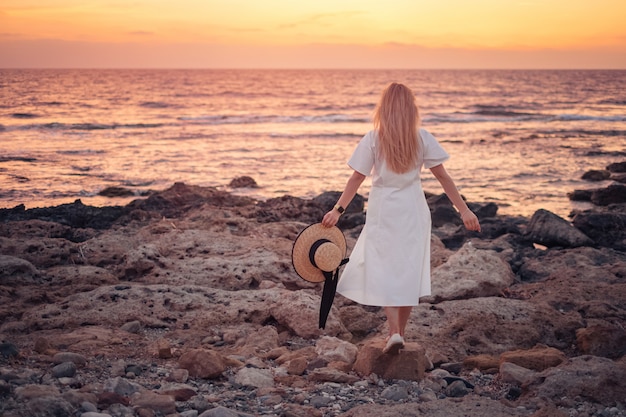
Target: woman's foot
(395,342)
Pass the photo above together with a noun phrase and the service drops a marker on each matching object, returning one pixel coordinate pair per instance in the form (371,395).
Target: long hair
(396,119)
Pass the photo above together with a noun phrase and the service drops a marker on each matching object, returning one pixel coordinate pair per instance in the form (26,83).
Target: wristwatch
(339,208)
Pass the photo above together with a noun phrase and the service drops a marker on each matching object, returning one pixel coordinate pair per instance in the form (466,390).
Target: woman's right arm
(352,186)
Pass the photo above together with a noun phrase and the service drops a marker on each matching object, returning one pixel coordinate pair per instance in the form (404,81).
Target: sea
(519,138)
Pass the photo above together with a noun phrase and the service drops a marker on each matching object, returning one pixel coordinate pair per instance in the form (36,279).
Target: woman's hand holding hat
(331,218)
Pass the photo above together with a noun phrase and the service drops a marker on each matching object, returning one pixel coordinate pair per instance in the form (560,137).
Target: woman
(390,263)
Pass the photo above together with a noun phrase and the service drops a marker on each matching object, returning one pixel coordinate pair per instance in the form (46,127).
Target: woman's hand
(331,218)
(470,221)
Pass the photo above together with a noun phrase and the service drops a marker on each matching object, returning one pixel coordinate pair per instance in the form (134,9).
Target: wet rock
(616,167)
(596,175)
(613,194)
(607,229)
(548,229)
(243,182)
(580,195)
(113,192)
(76,215)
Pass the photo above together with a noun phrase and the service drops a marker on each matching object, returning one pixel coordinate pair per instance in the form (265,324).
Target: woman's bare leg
(404,314)
(397,319)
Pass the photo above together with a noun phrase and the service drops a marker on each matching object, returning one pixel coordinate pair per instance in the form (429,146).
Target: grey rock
(548,229)
(395,393)
(64,370)
(456,389)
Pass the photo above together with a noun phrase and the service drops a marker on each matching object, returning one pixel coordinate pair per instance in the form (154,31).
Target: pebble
(225,398)
(64,370)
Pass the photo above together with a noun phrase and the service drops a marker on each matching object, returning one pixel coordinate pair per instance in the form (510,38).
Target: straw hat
(318,249)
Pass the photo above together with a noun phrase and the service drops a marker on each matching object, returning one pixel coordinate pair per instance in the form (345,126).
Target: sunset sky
(313,34)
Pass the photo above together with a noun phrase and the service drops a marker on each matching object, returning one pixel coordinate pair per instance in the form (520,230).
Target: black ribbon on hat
(330,283)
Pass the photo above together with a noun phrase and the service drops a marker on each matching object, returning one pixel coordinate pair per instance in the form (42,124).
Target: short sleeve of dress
(434,154)
(363,157)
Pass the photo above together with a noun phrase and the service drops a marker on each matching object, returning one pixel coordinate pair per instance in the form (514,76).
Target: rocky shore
(185,304)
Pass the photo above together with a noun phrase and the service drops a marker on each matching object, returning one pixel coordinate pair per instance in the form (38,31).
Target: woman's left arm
(469,218)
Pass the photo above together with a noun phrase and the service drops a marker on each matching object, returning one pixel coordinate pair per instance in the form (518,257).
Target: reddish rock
(202,363)
(160,404)
(481,362)
(538,358)
(602,340)
(408,364)
(164,350)
(297,366)
(105,399)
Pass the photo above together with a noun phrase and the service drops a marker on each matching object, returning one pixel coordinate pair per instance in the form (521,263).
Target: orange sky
(313,33)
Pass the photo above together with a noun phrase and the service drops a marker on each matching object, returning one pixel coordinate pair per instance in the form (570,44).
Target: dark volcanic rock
(596,175)
(181,198)
(548,229)
(580,195)
(289,208)
(243,182)
(616,167)
(605,228)
(76,215)
(613,194)
(116,192)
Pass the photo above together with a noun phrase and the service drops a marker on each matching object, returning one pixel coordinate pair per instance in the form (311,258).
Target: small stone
(87,406)
(132,326)
(69,357)
(9,350)
(63,370)
(164,349)
(395,393)
(457,389)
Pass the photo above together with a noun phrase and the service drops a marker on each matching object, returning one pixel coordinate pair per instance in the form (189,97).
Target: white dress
(390,262)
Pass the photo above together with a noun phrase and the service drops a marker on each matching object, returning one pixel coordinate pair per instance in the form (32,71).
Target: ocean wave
(85,126)
(619,102)
(24,115)
(260,119)
(583,117)
(155,105)
(17,159)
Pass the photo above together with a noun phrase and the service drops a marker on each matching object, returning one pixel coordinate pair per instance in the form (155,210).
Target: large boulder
(470,273)
(590,378)
(613,194)
(550,230)
(605,228)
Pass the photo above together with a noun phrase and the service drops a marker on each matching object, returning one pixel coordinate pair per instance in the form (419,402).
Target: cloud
(322,19)
(65,54)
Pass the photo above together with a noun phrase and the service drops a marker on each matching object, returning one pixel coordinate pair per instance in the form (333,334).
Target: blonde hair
(396,119)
